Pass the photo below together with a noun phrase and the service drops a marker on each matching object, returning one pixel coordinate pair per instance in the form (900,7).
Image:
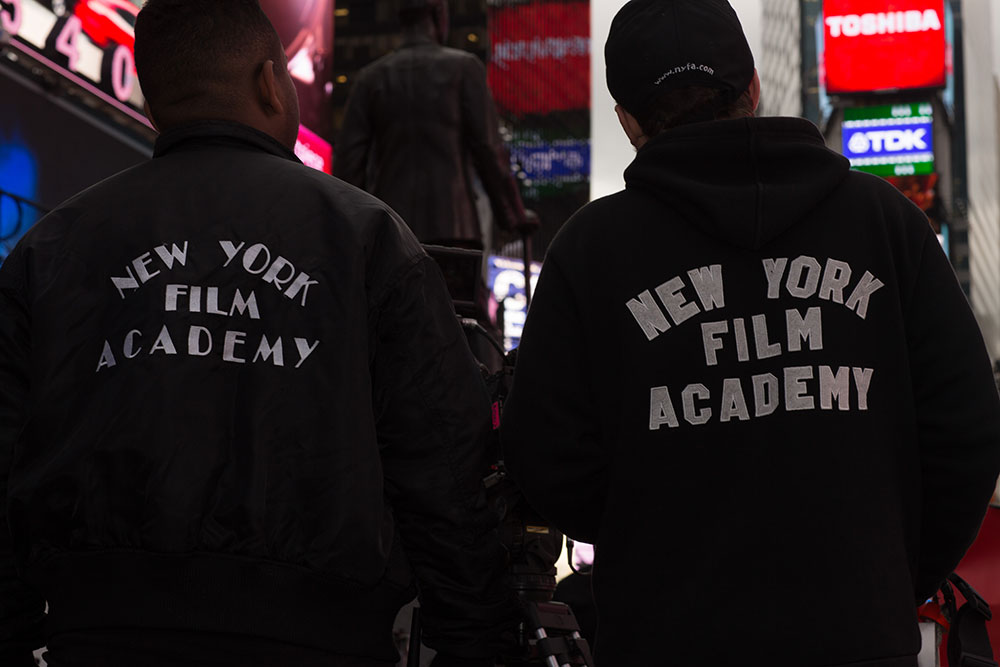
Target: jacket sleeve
(22,610)
(551,434)
(350,160)
(958,418)
(481,129)
(433,421)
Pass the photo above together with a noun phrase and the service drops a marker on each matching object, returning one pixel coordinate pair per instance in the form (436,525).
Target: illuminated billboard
(91,44)
(883,45)
(540,60)
(548,164)
(890,140)
(48,155)
(506,281)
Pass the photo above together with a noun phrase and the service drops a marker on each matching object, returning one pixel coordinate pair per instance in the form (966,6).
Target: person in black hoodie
(751,379)
(239,421)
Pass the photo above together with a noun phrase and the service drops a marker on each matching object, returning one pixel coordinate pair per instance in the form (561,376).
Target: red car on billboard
(108,22)
(884,45)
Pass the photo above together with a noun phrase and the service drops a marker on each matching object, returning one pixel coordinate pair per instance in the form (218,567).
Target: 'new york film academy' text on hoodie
(752,379)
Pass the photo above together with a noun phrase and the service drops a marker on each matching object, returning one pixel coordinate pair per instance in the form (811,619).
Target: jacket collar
(219,133)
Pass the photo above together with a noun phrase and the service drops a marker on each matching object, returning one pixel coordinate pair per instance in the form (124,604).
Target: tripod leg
(413,652)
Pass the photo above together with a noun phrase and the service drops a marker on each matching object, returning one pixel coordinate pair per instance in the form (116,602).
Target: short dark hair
(692,104)
(184,48)
(409,16)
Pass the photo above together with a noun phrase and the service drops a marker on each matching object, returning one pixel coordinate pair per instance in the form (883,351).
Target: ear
(754,89)
(631,126)
(149,114)
(268,95)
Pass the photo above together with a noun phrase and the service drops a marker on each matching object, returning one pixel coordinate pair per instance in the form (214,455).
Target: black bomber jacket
(234,398)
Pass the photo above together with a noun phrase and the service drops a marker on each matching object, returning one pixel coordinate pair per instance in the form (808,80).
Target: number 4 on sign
(66,41)
(10,16)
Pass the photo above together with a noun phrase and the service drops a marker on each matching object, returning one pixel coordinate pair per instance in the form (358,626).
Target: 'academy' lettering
(233,346)
(799,388)
(881,23)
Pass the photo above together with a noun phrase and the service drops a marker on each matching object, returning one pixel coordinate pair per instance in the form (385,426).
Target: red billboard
(540,60)
(883,45)
(91,44)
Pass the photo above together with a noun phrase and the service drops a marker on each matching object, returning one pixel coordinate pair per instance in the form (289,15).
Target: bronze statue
(418,123)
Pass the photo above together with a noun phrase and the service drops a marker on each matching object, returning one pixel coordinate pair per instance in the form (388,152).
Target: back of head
(414,13)
(198,58)
(672,62)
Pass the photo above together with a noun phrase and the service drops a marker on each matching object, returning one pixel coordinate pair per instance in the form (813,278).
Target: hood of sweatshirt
(743,181)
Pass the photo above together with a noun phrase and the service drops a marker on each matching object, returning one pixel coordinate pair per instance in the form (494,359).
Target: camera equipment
(549,633)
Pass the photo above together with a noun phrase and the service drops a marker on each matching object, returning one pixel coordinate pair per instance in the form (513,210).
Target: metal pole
(413,652)
(532,224)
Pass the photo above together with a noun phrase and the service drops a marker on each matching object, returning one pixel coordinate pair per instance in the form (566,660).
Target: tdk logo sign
(888,140)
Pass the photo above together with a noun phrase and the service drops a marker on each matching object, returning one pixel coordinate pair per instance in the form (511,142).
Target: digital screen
(506,280)
(92,42)
(890,140)
(546,163)
(48,154)
(919,189)
(540,60)
(883,45)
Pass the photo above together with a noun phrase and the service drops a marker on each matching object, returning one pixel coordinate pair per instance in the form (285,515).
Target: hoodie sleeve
(958,418)
(433,421)
(551,431)
(22,610)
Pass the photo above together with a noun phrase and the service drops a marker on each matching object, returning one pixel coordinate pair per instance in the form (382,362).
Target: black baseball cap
(659,45)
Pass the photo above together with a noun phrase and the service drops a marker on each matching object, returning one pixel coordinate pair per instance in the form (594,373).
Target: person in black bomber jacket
(239,422)
(750,378)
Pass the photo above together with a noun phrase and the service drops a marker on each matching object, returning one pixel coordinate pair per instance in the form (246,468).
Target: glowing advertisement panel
(91,44)
(890,140)
(883,45)
(48,154)
(506,280)
(551,162)
(541,57)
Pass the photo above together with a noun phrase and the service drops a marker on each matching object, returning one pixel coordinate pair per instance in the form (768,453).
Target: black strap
(968,641)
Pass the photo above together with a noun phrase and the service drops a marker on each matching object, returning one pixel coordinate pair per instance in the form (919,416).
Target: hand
(530,224)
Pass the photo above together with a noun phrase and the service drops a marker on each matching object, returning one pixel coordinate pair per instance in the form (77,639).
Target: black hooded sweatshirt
(752,379)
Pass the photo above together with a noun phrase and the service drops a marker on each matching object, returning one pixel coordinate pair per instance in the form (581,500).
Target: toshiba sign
(874,45)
